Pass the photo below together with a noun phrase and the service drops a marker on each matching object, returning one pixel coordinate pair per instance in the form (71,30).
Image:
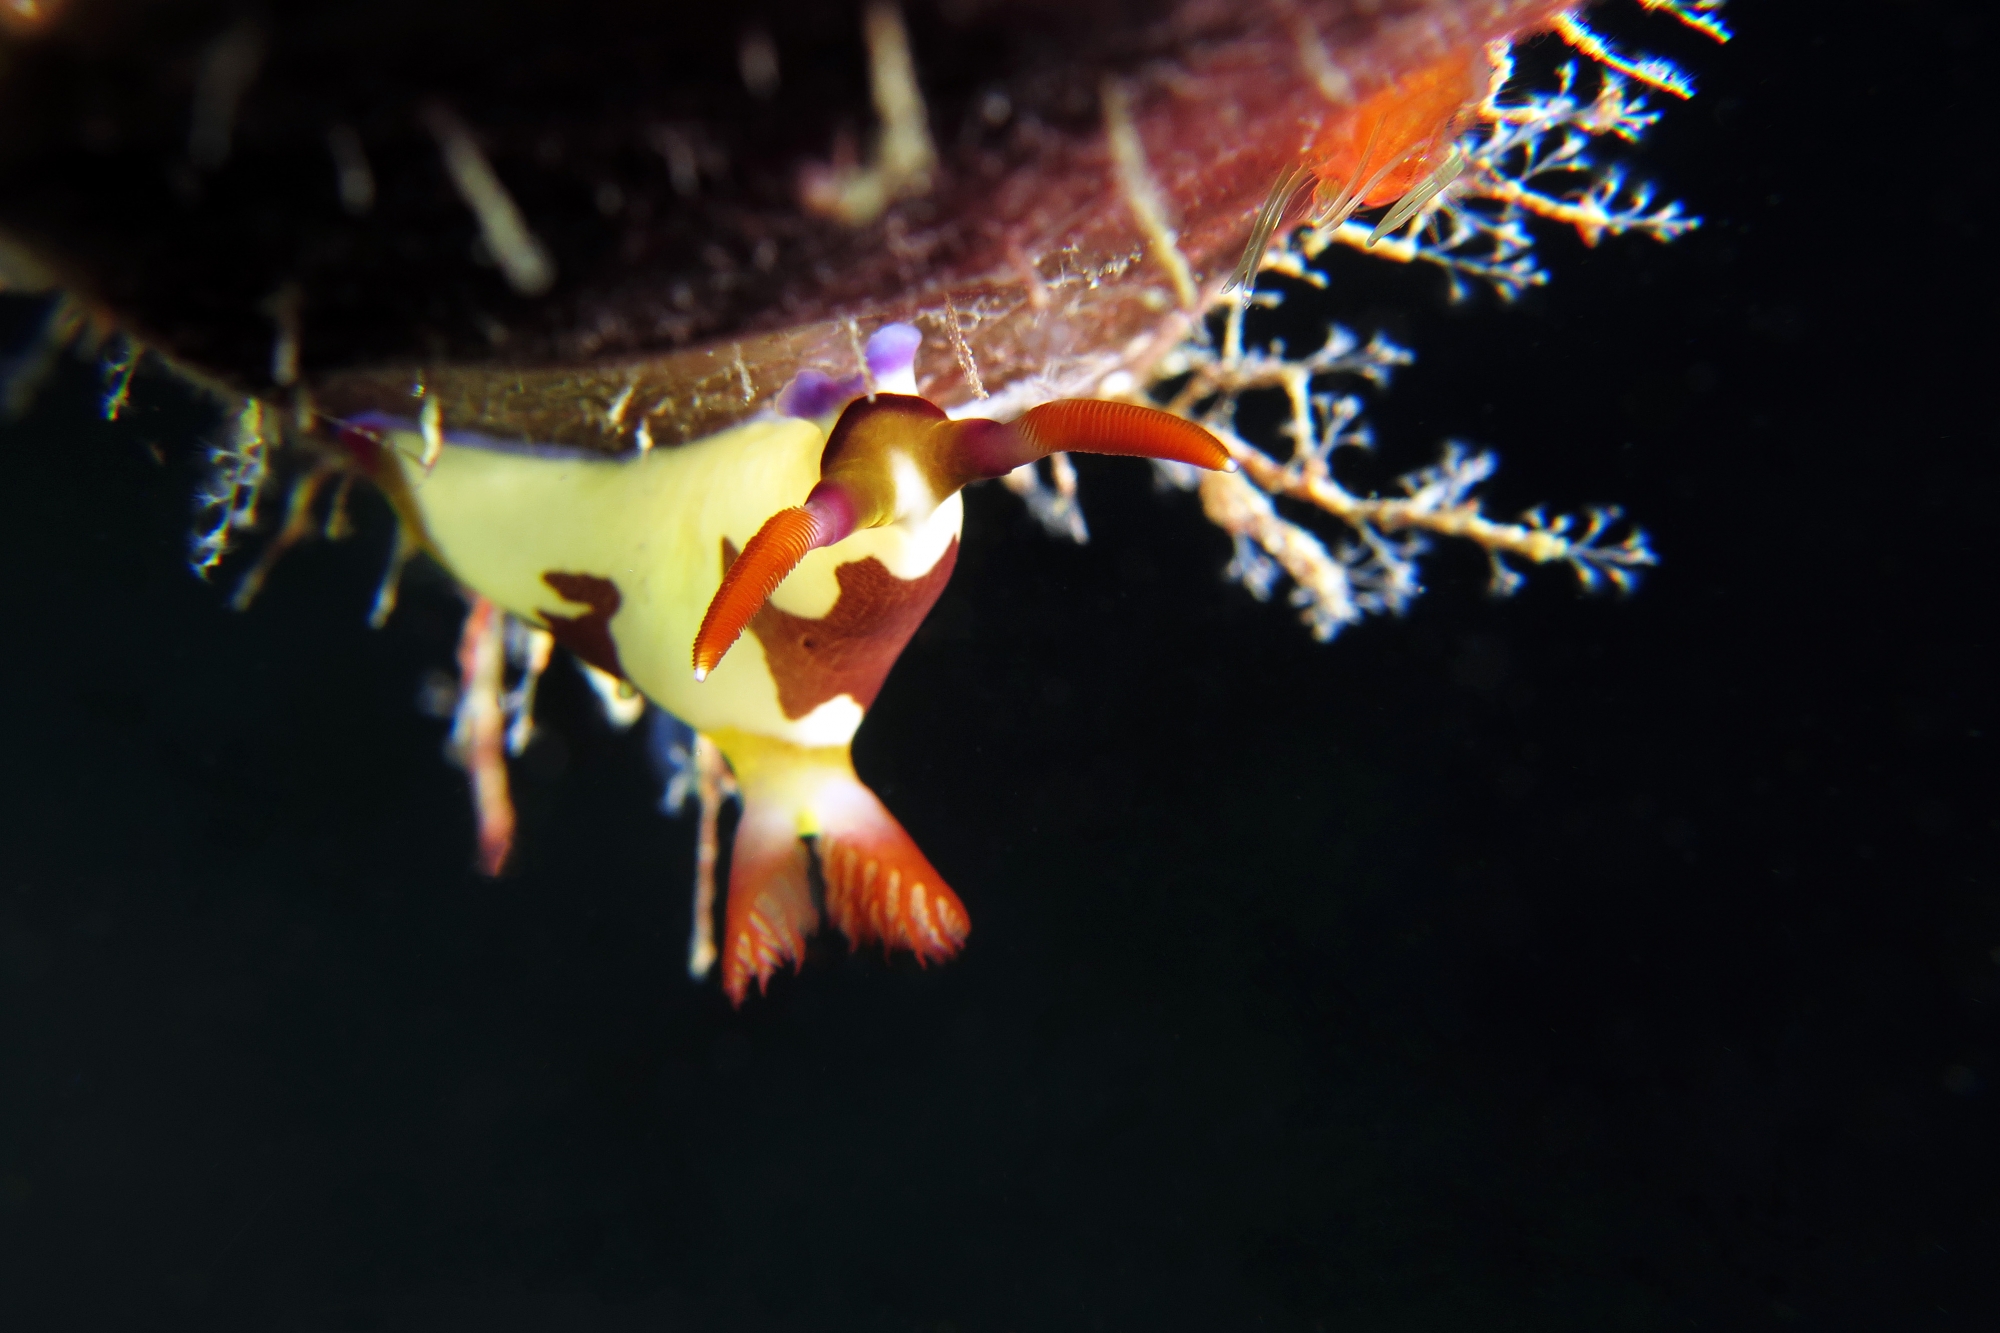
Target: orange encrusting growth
(770,909)
(1374,153)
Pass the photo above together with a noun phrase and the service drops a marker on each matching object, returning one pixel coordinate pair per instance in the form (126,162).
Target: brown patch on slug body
(587,635)
(850,649)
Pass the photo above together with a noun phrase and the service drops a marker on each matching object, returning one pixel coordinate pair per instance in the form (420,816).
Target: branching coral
(227,503)
(1374,569)
(1529,155)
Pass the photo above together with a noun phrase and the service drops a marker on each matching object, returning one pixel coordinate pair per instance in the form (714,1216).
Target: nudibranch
(623,318)
(827,538)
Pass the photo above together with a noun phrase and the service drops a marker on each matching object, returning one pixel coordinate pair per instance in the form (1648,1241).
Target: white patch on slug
(832,723)
(915,500)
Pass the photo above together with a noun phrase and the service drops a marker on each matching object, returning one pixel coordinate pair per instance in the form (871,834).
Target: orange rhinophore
(1093,426)
(1396,145)
(767,558)
(1378,152)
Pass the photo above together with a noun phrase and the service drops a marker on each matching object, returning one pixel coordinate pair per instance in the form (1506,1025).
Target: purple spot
(814,394)
(893,349)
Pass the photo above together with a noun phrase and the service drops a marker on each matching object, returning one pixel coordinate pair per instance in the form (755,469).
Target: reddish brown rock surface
(696,293)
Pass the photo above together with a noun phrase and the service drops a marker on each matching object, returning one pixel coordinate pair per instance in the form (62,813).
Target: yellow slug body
(653,526)
(619,559)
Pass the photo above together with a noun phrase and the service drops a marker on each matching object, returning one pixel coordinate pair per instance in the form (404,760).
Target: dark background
(1560,963)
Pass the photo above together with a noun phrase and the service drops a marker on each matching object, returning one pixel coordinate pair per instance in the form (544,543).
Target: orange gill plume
(880,889)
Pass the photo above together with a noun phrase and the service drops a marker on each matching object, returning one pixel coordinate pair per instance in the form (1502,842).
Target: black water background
(1553,964)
